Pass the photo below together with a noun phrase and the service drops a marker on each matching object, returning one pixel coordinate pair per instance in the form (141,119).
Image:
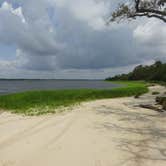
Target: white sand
(110,132)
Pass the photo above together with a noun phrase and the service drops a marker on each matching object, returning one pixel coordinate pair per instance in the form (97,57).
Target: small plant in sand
(155,93)
(162,101)
(164,105)
(137,95)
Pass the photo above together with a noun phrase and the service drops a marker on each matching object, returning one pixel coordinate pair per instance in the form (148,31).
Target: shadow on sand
(138,134)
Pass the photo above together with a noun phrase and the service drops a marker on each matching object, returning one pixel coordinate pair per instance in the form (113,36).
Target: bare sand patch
(111,132)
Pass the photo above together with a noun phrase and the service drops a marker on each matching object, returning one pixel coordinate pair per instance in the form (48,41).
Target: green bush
(155,93)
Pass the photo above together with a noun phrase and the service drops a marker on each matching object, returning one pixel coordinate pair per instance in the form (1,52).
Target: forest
(154,72)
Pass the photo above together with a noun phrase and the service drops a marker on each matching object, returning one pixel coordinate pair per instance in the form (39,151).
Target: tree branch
(153,8)
(147,15)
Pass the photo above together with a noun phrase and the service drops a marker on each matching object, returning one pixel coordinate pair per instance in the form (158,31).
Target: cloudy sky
(69,39)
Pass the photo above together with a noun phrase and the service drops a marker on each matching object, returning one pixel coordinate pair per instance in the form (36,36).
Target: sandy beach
(111,132)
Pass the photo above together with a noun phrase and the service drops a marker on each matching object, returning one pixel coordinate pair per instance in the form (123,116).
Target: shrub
(155,93)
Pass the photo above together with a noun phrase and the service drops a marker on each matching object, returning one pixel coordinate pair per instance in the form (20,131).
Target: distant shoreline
(22,79)
(16,86)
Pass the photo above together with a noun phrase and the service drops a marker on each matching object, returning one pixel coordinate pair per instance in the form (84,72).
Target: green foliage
(161,100)
(155,93)
(41,102)
(155,72)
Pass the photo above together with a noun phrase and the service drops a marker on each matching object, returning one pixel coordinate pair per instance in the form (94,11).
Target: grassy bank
(41,102)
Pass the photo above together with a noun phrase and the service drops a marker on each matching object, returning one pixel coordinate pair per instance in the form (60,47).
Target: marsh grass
(43,102)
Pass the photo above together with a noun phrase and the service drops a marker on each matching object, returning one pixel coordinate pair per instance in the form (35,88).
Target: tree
(138,8)
(154,72)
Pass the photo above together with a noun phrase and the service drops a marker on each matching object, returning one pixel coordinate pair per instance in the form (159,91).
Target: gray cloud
(88,48)
(60,35)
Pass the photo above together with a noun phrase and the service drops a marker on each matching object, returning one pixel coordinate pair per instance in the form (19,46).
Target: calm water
(12,86)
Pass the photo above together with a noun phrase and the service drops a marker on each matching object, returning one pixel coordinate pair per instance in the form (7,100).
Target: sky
(69,39)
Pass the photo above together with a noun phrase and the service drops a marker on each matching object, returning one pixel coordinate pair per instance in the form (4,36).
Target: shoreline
(43,102)
(103,132)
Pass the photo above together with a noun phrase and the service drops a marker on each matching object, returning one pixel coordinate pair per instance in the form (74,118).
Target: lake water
(12,86)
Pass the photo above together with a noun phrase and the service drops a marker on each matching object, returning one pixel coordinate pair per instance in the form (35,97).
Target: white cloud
(152,32)
(18,11)
(31,37)
(151,37)
(90,11)
(6,6)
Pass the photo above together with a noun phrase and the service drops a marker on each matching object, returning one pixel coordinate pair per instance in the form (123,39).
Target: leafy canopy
(155,72)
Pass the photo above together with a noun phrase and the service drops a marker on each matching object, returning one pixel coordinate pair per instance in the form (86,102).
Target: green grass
(41,102)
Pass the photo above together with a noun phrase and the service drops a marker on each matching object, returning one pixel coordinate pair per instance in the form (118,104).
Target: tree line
(154,72)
